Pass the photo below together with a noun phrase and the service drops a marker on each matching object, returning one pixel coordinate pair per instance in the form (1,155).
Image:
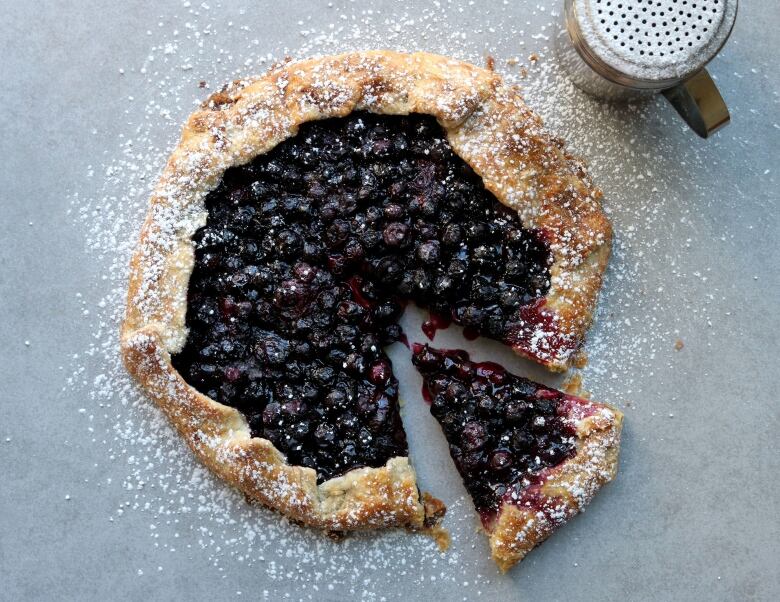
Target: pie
(298,215)
(531,457)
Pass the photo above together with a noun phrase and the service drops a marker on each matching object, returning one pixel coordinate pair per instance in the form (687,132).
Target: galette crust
(486,123)
(563,490)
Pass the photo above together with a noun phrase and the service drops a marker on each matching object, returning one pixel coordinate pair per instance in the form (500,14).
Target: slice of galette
(299,213)
(530,456)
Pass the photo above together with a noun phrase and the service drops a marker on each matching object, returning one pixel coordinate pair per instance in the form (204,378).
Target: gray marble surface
(88,508)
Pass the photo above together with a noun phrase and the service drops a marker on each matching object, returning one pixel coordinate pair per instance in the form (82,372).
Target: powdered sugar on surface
(649,205)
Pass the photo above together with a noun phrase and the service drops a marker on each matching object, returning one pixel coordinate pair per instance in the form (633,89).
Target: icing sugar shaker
(623,49)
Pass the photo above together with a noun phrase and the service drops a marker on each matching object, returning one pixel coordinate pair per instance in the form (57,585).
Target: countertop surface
(100,500)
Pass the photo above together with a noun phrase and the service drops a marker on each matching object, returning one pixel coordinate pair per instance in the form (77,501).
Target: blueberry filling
(303,268)
(503,430)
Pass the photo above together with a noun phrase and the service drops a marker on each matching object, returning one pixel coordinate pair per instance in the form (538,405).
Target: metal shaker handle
(699,103)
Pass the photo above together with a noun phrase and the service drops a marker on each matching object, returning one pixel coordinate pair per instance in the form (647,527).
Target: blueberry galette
(299,213)
(531,457)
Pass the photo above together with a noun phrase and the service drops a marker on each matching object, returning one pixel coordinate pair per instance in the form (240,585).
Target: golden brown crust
(563,491)
(487,124)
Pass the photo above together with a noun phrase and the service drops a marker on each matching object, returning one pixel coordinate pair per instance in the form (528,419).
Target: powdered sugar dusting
(162,480)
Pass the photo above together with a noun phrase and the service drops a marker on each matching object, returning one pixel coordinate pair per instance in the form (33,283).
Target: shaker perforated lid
(651,43)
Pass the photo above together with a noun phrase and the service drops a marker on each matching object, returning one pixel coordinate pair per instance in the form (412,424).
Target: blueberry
(354,251)
(455,392)
(395,234)
(522,440)
(288,243)
(457,268)
(470,315)
(393,212)
(473,436)
(273,350)
(370,238)
(485,405)
(350,312)
(335,399)
(313,251)
(337,232)
(428,252)
(309,392)
(392,333)
(388,270)
(438,383)
(301,429)
(288,293)
(303,350)
(373,214)
(558,452)
(304,272)
(427,360)
(381,147)
(387,311)
(355,363)
(380,372)
(325,434)
(370,345)
(337,263)
(500,460)
(452,235)
(323,374)
(271,414)
(516,411)
(293,408)
(233,373)
(348,452)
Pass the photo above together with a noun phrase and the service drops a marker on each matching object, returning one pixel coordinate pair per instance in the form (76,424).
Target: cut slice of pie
(299,213)
(531,457)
